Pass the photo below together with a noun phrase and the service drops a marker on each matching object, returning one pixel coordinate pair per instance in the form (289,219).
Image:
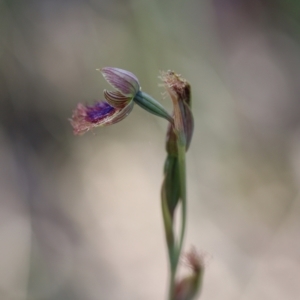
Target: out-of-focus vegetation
(80,217)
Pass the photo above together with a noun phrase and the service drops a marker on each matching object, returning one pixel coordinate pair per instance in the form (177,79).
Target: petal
(120,114)
(78,121)
(116,99)
(85,117)
(99,111)
(123,81)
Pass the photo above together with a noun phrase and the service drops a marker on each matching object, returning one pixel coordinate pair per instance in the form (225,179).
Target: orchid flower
(117,105)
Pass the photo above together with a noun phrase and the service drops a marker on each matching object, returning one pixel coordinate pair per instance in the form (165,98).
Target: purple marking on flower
(98,111)
(86,117)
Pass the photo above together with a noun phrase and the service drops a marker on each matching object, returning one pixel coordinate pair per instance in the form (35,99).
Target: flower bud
(188,287)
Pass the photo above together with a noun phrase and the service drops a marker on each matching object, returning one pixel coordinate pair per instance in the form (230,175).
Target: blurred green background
(80,216)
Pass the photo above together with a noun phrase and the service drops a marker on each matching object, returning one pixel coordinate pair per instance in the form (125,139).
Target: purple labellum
(98,111)
(86,117)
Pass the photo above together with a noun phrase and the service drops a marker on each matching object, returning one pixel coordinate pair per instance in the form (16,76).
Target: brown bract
(177,86)
(180,92)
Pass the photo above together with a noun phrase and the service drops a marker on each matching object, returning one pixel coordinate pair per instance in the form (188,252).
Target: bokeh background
(80,216)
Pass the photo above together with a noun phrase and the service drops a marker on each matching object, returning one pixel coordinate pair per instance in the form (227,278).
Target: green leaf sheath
(171,183)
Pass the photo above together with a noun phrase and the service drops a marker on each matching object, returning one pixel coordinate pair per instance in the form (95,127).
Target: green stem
(172,285)
(151,105)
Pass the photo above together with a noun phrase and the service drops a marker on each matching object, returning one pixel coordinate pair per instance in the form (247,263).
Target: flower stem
(172,285)
(151,105)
